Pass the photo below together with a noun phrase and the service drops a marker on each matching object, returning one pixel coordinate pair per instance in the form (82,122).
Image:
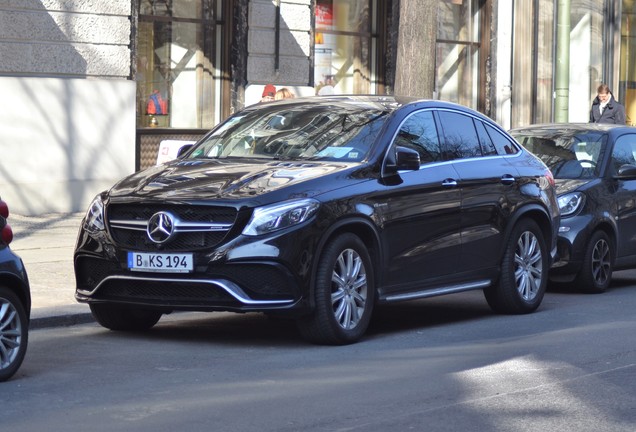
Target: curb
(60,321)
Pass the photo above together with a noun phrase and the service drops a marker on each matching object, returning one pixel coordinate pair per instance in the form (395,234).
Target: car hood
(564,186)
(226,179)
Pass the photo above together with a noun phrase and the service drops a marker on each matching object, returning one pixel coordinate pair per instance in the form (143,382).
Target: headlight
(570,203)
(94,219)
(279,216)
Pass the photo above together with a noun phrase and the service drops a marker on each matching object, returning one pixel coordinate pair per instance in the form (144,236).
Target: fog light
(564,229)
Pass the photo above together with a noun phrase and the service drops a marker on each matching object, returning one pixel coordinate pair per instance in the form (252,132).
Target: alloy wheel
(601,262)
(528,266)
(11,332)
(349,289)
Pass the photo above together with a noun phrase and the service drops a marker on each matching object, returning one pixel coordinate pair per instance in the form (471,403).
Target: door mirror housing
(626,172)
(401,159)
(184,149)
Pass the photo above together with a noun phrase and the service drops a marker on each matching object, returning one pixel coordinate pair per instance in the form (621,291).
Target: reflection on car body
(318,209)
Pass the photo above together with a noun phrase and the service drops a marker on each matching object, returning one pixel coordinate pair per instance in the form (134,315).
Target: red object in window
(157,105)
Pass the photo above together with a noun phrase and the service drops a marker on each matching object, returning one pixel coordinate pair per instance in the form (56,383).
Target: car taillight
(7,234)
(4,209)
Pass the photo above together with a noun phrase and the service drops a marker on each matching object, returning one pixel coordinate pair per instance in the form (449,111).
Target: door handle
(449,182)
(507,179)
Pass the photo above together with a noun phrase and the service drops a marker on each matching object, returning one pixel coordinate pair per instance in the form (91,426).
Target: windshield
(295,131)
(569,155)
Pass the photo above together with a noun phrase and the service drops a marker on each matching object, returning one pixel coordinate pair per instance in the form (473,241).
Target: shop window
(178,64)
(587,56)
(345,43)
(458,77)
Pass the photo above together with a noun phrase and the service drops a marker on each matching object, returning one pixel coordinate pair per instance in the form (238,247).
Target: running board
(438,291)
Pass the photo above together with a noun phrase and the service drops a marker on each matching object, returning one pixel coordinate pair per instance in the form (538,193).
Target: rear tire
(14,333)
(344,294)
(596,273)
(123,318)
(524,272)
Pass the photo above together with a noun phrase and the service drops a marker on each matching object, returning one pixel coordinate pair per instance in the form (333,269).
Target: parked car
(15,302)
(595,170)
(318,209)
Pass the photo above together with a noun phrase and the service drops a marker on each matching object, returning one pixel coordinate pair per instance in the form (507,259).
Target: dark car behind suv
(595,170)
(15,302)
(319,209)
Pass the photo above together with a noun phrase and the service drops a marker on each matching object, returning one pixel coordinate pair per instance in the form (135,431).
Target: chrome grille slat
(195,227)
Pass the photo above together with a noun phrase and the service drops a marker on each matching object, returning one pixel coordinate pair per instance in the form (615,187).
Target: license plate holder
(160,262)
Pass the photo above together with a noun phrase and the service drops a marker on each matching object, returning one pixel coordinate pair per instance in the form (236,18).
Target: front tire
(596,272)
(524,272)
(344,294)
(124,318)
(14,333)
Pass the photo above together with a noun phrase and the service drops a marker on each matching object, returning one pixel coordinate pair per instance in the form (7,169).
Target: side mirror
(626,172)
(184,149)
(407,159)
(402,159)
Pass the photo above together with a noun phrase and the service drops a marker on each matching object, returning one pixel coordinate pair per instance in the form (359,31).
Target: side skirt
(433,292)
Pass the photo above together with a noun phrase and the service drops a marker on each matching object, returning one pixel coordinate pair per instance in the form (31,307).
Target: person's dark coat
(614,112)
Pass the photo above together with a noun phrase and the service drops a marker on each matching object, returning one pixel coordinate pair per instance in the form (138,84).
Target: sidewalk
(45,243)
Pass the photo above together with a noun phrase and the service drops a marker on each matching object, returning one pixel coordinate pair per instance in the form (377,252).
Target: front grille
(137,239)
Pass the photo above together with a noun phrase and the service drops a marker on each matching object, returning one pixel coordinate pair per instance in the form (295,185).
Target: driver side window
(418,132)
(624,152)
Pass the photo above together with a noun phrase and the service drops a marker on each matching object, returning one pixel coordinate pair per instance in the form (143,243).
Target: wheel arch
(609,229)
(18,287)
(538,214)
(368,234)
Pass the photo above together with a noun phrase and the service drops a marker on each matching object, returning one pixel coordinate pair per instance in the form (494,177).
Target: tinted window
(460,137)
(487,146)
(568,154)
(624,152)
(501,142)
(418,132)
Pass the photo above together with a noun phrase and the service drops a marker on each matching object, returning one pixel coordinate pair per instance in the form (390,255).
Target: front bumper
(572,243)
(240,273)
(237,287)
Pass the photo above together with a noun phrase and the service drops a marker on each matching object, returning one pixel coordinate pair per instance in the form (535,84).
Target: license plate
(160,262)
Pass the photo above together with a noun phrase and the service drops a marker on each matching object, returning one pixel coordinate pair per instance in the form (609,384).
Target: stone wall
(68,104)
(71,38)
(294,46)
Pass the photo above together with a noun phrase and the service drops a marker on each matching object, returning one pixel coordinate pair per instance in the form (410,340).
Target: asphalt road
(443,364)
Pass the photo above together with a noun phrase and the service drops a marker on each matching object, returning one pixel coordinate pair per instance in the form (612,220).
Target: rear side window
(460,140)
(487,146)
(418,132)
(501,142)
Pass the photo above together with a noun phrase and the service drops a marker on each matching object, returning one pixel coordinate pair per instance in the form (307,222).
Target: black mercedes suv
(320,209)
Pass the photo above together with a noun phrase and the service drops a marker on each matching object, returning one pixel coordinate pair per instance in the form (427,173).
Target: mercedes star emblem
(160,227)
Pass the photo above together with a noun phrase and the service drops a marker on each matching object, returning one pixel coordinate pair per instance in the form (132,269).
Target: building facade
(92,88)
